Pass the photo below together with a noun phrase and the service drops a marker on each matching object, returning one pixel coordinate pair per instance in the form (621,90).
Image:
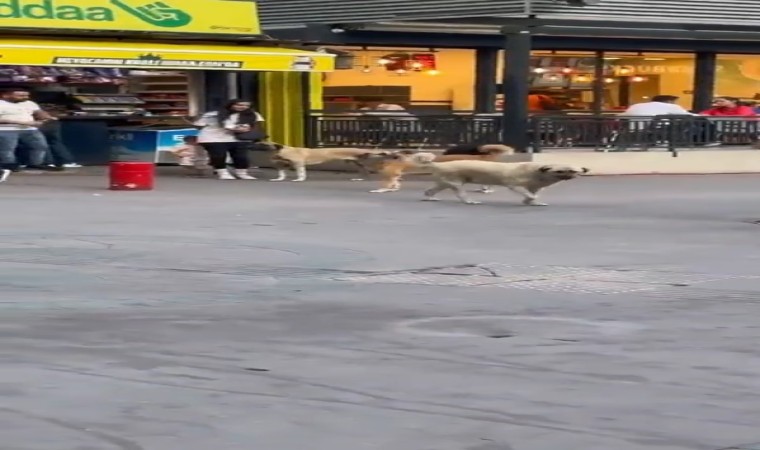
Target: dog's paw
(299,180)
(277,179)
(485,191)
(357,179)
(472,202)
(382,191)
(430,199)
(529,202)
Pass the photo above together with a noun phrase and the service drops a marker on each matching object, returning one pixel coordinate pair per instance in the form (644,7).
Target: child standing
(192,156)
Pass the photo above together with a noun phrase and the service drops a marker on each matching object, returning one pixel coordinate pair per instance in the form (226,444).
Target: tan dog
(299,158)
(526,179)
(393,170)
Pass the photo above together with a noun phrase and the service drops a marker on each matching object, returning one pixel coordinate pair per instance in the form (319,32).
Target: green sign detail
(158,13)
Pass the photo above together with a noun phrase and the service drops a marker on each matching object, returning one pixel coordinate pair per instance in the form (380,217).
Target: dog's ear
(545,169)
(585,170)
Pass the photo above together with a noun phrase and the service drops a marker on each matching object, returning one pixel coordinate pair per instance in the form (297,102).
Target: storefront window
(738,76)
(559,81)
(418,79)
(636,78)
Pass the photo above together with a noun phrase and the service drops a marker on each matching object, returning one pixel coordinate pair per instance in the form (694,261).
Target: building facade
(596,58)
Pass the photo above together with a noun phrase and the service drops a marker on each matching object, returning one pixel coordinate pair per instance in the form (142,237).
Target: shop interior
(91,101)
(442,80)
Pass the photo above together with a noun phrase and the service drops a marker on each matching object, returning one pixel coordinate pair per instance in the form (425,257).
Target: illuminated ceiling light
(567,70)
(581,78)
(553,78)
(609,80)
(400,71)
(417,65)
(384,61)
(638,79)
(625,71)
(539,70)
(433,72)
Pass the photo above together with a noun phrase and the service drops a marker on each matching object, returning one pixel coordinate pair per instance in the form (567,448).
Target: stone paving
(213,315)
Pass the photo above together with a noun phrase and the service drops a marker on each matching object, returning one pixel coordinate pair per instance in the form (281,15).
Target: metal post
(598,85)
(516,88)
(704,80)
(485,79)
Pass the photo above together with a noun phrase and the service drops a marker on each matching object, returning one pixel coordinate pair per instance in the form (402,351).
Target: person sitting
(660,105)
(729,106)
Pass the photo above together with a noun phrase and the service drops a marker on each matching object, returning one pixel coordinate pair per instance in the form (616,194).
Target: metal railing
(616,133)
(584,132)
(401,131)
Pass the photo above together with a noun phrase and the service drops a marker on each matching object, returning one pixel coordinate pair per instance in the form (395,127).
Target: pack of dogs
(453,170)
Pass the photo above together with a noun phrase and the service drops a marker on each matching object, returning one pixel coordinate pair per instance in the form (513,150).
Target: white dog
(526,179)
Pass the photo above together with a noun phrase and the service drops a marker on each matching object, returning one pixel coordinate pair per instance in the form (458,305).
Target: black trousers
(218,151)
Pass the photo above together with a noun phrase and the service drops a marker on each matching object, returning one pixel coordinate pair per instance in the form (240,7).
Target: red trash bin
(131,176)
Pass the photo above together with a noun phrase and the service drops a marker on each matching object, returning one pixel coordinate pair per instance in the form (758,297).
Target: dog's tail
(497,149)
(423,159)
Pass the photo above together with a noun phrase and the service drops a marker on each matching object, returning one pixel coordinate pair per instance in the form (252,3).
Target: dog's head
(422,158)
(561,172)
(496,149)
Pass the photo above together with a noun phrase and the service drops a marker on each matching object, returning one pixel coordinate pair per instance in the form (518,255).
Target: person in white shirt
(660,105)
(230,131)
(18,125)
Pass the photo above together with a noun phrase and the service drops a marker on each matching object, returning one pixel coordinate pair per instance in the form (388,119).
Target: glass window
(738,76)
(635,78)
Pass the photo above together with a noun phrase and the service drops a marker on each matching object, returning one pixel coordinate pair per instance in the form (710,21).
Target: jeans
(32,139)
(217,154)
(59,154)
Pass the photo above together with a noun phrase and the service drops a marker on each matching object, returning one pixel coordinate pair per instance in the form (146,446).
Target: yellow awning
(147,55)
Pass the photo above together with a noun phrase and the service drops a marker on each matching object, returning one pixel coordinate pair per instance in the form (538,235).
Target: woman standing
(230,131)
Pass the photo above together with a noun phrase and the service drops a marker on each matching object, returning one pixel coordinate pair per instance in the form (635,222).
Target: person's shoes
(4,174)
(242,174)
(72,166)
(44,168)
(224,174)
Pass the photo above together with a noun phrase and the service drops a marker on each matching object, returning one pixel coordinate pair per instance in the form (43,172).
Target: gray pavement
(237,316)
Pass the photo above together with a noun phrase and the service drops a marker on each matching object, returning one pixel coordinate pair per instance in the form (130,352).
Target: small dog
(526,179)
(297,158)
(394,169)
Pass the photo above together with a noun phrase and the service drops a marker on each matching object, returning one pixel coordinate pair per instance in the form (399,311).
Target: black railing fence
(600,133)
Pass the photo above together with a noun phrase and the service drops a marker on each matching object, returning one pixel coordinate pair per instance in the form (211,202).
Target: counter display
(91,102)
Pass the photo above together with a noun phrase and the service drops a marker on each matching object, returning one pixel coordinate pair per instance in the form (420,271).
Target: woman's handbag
(253,135)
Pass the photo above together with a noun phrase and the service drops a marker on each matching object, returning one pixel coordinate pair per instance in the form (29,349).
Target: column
(598,83)
(516,88)
(485,79)
(704,80)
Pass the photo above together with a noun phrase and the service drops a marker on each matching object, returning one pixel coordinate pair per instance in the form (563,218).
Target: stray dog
(526,179)
(394,169)
(297,158)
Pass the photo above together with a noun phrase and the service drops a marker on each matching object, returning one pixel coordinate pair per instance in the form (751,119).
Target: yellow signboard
(142,55)
(166,16)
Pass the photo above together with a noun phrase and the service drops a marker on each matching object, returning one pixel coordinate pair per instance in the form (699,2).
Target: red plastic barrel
(131,176)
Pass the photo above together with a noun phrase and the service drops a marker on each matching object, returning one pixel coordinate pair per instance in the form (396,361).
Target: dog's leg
(462,195)
(529,196)
(430,194)
(393,184)
(362,170)
(281,175)
(485,189)
(300,172)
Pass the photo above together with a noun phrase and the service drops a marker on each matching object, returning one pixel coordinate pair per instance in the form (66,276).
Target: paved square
(315,316)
